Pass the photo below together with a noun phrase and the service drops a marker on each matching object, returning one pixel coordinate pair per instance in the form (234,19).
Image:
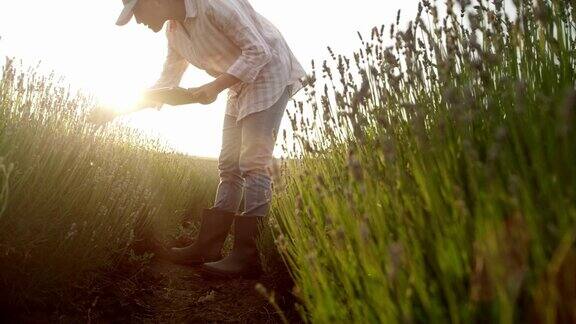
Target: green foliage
(437,179)
(4,181)
(79,195)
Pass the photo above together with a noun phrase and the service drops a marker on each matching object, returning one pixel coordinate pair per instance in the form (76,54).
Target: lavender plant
(79,195)
(435,175)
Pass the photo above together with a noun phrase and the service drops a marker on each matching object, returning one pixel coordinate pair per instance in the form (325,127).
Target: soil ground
(156,291)
(161,292)
(179,294)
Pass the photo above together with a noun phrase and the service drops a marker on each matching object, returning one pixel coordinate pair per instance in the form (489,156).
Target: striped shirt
(229,36)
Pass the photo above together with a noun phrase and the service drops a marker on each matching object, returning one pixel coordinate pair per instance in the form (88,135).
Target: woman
(246,54)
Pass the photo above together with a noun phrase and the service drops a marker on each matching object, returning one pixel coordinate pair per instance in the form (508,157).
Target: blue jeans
(245,158)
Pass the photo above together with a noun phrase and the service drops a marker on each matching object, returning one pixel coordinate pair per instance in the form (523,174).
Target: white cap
(127,13)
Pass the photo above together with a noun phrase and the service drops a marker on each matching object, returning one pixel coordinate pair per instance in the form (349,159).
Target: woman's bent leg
(259,133)
(229,193)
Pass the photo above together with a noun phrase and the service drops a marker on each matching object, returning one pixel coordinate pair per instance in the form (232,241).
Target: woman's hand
(208,93)
(205,94)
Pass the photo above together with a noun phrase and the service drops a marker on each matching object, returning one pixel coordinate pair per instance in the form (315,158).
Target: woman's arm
(208,93)
(237,25)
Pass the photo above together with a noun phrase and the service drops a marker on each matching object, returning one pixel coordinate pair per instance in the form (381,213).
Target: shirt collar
(191,8)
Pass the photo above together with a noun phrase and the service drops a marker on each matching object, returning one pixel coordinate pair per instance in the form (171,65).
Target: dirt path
(182,295)
(163,292)
(157,291)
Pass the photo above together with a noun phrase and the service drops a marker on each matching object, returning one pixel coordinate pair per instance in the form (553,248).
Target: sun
(119,99)
(191,129)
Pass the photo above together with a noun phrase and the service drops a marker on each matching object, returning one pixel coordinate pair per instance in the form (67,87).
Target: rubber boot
(244,260)
(214,229)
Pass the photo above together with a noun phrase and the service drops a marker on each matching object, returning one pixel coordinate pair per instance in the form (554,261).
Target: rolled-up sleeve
(174,68)
(229,17)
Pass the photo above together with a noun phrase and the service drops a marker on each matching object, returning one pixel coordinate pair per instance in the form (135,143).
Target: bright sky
(79,41)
